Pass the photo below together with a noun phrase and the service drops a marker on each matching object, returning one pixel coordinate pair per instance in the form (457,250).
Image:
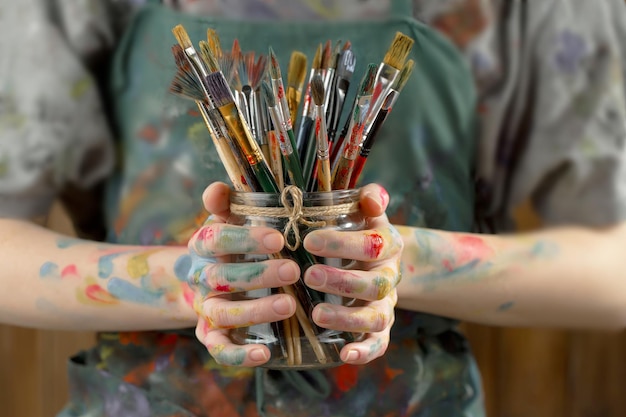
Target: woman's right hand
(214,277)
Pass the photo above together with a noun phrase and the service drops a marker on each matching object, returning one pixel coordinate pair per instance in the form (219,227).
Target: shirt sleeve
(553,128)
(53,130)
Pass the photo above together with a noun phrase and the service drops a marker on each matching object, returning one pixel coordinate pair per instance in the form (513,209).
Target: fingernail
(258,355)
(273,242)
(325,315)
(351,356)
(316,277)
(314,242)
(287,272)
(374,198)
(282,306)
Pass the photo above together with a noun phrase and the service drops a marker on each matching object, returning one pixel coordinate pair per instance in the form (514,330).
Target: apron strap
(402,8)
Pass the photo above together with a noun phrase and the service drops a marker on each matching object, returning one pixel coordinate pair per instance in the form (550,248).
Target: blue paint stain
(49,270)
(124,290)
(182,267)
(105,265)
(506,306)
(66,242)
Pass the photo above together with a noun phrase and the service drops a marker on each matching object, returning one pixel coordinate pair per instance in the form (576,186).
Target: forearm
(51,281)
(569,277)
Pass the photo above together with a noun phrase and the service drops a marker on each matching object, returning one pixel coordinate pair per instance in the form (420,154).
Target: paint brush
(359,107)
(345,70)
(342,170)
(239,131)
(306,136)
(292,163)
(186,85)
(306,121)
(256,71)
(368,142)
(388,71)
(296,73)
(279,92)
(323,163)
(330,78)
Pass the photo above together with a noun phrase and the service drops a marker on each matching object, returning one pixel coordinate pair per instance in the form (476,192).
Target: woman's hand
(214,278)
(378,250)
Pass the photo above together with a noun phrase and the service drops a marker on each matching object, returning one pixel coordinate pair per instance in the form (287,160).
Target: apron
(423,157)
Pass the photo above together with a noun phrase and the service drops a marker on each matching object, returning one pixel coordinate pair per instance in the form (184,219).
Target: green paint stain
(239,240)
(243,272)
(506,306)
(232,358)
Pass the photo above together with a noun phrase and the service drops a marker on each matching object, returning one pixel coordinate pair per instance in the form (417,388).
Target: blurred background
(526,372)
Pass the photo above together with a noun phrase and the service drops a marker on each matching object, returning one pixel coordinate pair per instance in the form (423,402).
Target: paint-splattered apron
(424,158)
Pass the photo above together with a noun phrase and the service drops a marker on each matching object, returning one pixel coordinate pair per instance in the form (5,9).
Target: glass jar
(297,343)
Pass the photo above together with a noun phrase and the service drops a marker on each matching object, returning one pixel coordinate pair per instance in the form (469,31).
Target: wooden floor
(526,372)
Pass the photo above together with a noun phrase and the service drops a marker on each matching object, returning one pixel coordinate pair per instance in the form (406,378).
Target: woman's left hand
(378,250)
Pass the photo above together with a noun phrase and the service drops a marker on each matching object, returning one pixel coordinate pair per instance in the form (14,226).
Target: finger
(227,353)
(369,285)
(218,239)
(216,199)
(223,313)
(366,245)
(372,317)
(372,347)
(374,200)
(247,276)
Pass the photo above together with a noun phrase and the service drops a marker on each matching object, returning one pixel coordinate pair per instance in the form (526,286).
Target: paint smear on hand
(124,290)
(49,270)
(373,245)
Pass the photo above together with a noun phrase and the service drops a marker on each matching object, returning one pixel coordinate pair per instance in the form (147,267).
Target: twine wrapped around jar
(296,213)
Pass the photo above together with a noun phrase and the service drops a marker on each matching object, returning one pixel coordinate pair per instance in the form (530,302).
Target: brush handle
(367,144)
(342,173)
(304,135)
(309,150)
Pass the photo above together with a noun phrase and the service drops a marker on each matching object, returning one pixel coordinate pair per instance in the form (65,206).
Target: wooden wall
(526,372)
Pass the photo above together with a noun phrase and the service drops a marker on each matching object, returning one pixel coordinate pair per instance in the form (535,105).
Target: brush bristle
(182,37)
(317,89)
(257,72)
(274,65)
(334,58)
(218,89)
(214,43)
(268,94)
(367,82)
(317,59)
(326,55)
(297,70)
(186,86)
(404,75)
(207,57)
(347,45)
(398,51)
(347,63)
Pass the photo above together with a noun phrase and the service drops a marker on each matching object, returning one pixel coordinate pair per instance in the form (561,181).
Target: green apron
(424,158)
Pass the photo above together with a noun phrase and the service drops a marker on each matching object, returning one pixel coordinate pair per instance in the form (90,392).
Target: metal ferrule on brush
(279,91)
(320,133)
(385,78)
(280,127)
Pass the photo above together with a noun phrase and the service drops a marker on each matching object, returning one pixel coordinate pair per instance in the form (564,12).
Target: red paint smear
(205,234)
(224,288)
(384,197)
(346,377)
(470,248)
(149,133)
(97,293)
(373,245)
(194,113)
(411,268)
(446,264)
(169,339)
(188,295)
(69,270)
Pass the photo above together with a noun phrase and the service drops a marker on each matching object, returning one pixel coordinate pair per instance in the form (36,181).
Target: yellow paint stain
(138,265)
(80,87)
(93,294)
(235,311)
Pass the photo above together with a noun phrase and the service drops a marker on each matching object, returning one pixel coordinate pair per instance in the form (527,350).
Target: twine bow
(296,216)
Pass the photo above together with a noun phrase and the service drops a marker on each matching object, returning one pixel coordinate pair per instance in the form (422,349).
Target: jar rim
(254,197)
